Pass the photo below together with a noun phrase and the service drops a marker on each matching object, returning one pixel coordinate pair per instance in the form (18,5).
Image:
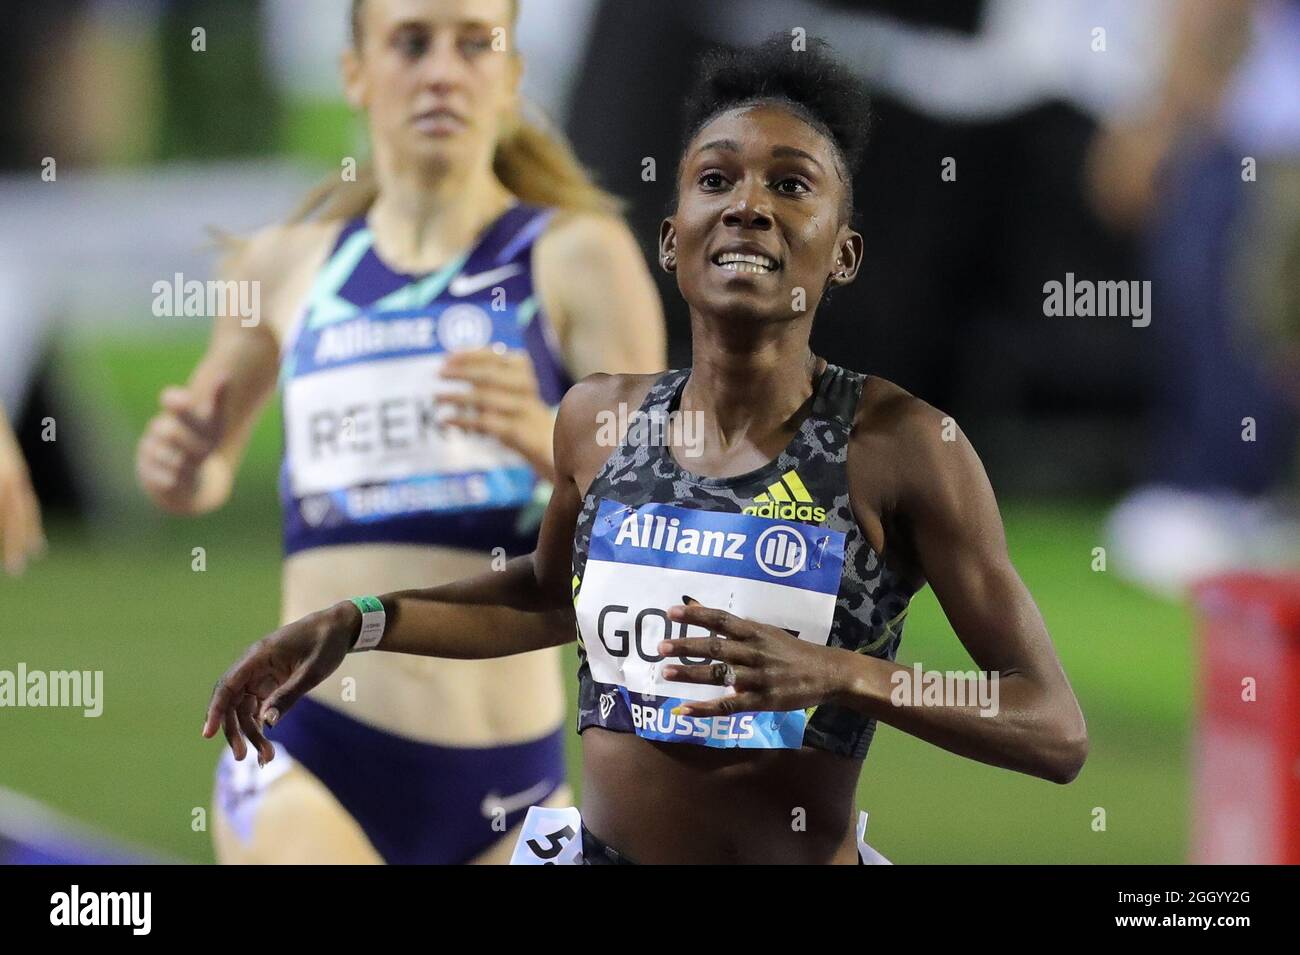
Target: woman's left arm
(952,529)
(956,540)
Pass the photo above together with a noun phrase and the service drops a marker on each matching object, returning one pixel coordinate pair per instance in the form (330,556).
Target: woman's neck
(422,219)
(748,385)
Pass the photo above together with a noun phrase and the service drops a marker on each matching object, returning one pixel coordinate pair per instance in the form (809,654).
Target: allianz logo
(458,328)
(780,551)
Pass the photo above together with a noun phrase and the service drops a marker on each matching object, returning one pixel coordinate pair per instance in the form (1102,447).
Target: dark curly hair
(810,83)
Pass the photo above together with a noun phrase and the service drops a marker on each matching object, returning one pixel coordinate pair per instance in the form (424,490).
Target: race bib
(364,432)
(646,559)
(866,854)
(242,785)
(549,837)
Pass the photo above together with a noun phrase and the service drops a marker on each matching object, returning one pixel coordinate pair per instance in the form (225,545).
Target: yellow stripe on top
(779,492)
(797,488)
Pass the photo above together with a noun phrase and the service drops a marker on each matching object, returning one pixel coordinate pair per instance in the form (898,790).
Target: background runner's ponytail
(532,161)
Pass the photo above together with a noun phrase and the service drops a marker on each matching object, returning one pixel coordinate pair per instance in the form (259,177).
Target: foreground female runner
(778,555)
(479,257)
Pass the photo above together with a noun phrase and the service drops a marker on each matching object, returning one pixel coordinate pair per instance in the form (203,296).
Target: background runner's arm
(600,297)
(187,458)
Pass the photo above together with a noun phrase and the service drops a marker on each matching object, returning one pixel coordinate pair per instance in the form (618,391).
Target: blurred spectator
(1210,172)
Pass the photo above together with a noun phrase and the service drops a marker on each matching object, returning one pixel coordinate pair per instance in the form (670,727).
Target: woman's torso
(785,548)
(374,506)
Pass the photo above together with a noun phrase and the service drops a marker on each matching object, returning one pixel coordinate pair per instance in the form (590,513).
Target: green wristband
(372,622)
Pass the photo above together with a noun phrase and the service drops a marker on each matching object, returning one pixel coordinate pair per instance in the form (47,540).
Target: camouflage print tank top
(778,545)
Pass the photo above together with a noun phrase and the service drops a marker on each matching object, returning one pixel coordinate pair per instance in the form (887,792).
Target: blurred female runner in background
(748,601)
(480,258)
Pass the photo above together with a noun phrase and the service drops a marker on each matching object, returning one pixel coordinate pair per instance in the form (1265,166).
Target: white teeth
(740,262)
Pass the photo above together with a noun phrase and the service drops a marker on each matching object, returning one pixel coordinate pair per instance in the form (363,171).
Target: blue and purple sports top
(367,458)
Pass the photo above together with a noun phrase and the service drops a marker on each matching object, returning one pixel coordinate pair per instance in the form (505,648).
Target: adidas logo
(787,500)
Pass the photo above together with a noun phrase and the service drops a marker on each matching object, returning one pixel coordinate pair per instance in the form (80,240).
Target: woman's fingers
(490,423)
(36,542)
(252,669)
(484,400)
(12,531)
(723,706)
(202,420)
(512,371)
(277,702)
(21,536)
(168,431)
(714,620)
(230,724)
(717,673)
(710,648)
(247,713)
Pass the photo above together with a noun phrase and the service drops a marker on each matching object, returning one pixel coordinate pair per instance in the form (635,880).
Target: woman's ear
(848,257)
(354,86)
(668,245)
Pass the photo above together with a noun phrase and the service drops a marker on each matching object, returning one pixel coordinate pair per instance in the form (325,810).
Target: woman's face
(759,182)
(437,77)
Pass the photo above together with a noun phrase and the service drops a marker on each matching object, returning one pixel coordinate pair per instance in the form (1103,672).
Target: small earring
(670,260)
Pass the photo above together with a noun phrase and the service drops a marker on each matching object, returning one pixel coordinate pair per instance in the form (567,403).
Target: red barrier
(1246,794)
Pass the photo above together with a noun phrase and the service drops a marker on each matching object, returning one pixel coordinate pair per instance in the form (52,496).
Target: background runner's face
(758,180)
(428,76)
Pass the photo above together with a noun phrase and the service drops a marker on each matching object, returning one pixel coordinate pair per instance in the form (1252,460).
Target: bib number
(549,837)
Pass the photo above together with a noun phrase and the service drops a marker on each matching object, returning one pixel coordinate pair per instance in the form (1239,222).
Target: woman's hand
(769,669)
(275,672)
(20,511)
(503,402)
(177,444)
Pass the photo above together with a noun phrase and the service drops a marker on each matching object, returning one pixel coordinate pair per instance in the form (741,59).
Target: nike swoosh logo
(463,285)
(513,803)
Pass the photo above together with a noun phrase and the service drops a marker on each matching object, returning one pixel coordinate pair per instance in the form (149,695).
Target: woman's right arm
(525,606)
(188,456)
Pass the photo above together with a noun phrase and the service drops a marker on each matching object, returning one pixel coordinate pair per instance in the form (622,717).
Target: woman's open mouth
(745,262)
